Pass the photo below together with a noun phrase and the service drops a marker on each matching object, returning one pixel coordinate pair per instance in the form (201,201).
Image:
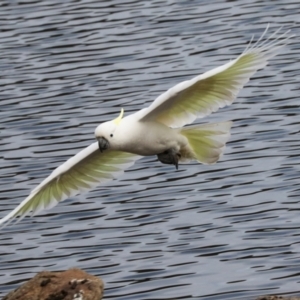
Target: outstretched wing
(81,172)
(206,93)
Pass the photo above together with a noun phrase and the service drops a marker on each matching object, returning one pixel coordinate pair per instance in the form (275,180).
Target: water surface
(230,230)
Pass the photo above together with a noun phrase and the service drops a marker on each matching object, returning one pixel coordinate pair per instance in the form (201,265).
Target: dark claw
(169,157)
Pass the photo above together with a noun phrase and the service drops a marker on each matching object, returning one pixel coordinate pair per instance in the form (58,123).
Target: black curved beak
(103,144)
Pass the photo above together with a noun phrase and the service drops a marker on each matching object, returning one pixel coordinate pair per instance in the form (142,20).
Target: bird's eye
(111,135)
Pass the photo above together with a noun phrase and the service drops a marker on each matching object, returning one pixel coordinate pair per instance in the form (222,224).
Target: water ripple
(224,231)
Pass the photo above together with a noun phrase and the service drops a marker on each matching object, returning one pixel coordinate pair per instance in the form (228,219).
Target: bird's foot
(169,157)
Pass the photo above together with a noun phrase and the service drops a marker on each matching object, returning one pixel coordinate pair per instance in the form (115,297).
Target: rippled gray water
(230,230)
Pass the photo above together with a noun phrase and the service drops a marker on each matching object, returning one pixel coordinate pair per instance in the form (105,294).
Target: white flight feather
(98,167)
(206,93)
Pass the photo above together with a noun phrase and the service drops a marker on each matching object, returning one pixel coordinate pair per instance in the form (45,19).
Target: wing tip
(6,220)
(269,46)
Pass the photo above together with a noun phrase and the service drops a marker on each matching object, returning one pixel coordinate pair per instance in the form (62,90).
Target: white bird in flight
(156,130)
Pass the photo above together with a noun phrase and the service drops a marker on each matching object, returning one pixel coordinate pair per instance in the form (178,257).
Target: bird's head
(105,132)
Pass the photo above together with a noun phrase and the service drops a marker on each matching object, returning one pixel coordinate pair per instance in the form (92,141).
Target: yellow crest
(119,118)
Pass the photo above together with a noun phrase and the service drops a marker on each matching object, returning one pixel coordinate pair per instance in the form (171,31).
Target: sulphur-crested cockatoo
(156,130)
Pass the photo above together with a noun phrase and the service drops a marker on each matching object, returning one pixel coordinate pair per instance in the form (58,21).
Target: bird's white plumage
(178,106)
(212,90)
(81,172)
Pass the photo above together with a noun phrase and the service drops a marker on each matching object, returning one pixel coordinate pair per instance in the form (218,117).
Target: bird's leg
(169,157)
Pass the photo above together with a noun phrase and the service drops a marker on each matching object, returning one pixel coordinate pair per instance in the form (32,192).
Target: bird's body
(142,138)
(150,137)
(156,130)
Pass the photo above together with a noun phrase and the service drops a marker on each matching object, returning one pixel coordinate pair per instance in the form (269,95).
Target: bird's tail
(206,142)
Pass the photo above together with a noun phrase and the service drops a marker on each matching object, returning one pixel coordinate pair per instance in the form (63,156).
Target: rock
(73,284)
(275,297)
